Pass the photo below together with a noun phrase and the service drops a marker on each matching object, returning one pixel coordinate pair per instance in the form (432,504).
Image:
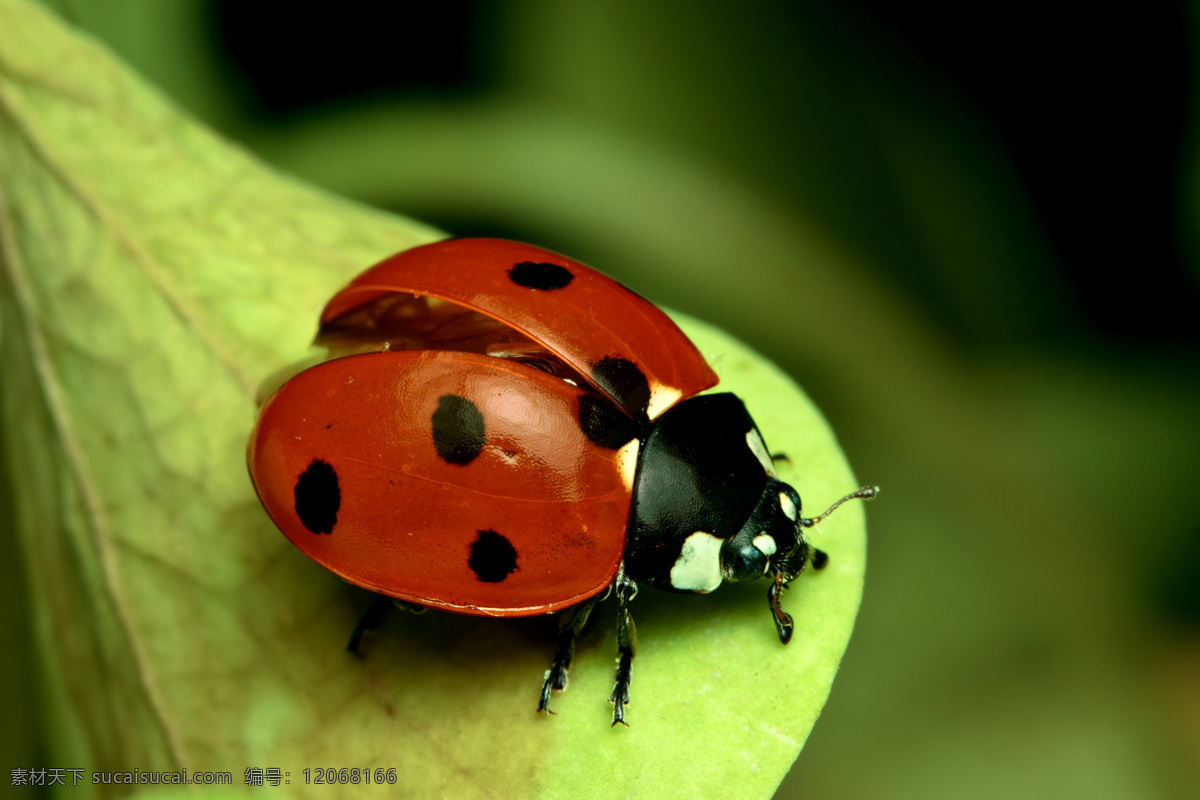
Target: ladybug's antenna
(865,493)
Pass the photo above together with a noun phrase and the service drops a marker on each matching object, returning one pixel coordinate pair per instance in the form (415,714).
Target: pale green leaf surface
(151,276)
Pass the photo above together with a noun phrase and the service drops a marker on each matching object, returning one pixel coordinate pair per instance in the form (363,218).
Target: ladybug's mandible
(503,431)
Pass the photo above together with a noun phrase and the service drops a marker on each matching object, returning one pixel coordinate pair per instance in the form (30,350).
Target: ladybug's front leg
(626,590)
(570,623)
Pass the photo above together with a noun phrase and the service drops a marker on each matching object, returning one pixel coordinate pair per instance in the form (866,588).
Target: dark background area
(1067,92)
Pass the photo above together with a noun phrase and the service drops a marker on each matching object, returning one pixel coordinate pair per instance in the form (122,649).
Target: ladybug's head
(772,538)
(772,542)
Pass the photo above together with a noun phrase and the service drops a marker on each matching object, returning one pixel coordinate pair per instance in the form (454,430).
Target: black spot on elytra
(623,380)
(604,424)
(318,497)
(493,558)
(541,276)
(458,432)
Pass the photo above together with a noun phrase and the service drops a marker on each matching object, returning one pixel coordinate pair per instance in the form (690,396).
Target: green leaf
(151,276)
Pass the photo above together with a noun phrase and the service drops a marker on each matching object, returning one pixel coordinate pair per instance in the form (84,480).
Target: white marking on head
(661,398)
(627,459)
(765,543)
(698,568)
(789,508)
(757,446)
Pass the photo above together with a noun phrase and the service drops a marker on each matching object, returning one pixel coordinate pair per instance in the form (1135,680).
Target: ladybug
(502,431)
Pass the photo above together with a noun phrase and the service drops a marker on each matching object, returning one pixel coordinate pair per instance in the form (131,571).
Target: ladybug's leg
(370,621)
(819,559)
(626,589)
(784,625)
(570,623)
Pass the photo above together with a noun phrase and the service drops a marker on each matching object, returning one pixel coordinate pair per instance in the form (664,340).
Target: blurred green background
(969,233)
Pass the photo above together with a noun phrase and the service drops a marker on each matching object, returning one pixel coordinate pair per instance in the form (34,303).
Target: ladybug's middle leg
(626,590)
(570,623)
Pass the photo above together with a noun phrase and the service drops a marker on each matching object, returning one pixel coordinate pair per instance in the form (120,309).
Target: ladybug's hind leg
(570,623)
(626,590)
(370,621)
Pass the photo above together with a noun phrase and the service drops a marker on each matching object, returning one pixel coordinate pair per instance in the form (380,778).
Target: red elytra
(589,318)
(435,512)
